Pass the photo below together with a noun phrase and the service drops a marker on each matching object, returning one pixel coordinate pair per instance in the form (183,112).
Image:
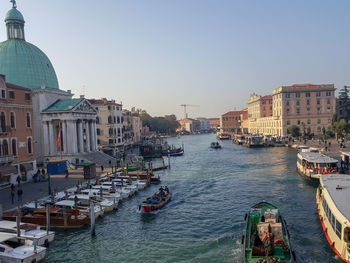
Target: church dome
(25,65)
(22,63)
(14,14)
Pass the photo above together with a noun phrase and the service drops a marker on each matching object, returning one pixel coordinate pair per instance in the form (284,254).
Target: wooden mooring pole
(92,218)
(18,223)
(47,218)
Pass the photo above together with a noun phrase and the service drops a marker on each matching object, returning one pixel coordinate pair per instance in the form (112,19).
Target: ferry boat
(239,139)
(157,201)
(333,199)
(312,164)
(215,145)
(252,141)
(267,237)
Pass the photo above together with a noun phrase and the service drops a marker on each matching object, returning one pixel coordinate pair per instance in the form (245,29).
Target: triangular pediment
(84,106)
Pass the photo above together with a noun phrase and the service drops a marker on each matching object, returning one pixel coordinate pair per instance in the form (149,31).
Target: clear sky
(158,54)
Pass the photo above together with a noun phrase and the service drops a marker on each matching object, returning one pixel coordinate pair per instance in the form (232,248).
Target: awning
(26,167)
(7,169)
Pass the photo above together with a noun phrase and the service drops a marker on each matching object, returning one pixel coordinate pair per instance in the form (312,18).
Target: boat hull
(154,207)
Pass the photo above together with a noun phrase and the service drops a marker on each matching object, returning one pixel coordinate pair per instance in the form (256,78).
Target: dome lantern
(14,23)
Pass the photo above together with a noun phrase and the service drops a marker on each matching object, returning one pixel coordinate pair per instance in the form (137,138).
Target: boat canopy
(69,203)
(338,187)
(314,157)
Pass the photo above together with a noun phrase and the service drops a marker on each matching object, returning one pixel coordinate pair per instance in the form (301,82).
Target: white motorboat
(18,250)
(124,193)
(98,210)
(105,194)
(84,199)
(121,189)
(27,231)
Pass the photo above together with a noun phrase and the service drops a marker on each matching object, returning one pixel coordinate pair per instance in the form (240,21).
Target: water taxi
(252,141)
(27,231)
(59,218)
(18,250)
(239,139)
(312,164)
(267,237)
(215,145)
(332,199)
(157,201)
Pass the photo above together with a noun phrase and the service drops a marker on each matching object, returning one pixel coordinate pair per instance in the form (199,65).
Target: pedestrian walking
(12,193)
(102,168)
(43,174)
(18,180)
(20,194)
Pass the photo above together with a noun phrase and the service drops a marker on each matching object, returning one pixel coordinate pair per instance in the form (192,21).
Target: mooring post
(169,160)
(0,211)
(65,218)
(18,222)
(47,218)
(92,218)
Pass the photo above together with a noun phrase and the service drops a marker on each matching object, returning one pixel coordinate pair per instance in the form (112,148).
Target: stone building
(109,123)
(189,125)
(231,122)
(16,133)
(259,107)
(55,113)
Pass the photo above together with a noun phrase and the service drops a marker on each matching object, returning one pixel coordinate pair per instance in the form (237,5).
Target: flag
(58,142)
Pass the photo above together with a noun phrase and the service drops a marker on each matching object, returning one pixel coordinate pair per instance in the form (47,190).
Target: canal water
(212,191)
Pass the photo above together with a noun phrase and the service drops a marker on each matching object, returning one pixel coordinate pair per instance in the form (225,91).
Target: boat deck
(338,186)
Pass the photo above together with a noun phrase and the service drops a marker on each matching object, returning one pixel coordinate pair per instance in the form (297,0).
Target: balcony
(5,130)
(6,159)
(276,117)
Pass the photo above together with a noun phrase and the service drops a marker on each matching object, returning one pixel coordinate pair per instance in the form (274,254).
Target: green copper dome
(26,65)
(14,14)
(22,63)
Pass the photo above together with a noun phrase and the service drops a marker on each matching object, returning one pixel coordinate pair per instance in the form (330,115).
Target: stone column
(87,129)
(80,137)
(45,143)
(65,136)
(51,139)
(95,132)
(92,136)
(74,137)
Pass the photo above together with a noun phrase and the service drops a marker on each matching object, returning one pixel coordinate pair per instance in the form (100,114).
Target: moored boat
(74,218)
(221,136)
(18,250)
(267,237)
(313,164)
(239,139)
(252,141)
(332,199)
(157,201)
(180,153)
(215,145)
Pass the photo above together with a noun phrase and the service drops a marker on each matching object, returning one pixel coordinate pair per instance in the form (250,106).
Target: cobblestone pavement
(333,150)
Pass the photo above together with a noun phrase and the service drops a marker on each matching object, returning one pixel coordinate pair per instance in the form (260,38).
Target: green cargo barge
(267,238)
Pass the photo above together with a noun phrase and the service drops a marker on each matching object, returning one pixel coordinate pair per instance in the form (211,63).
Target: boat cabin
(253,141)
(314,164)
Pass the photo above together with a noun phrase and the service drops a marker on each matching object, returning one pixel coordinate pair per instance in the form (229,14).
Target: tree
(166,124)
(294,130)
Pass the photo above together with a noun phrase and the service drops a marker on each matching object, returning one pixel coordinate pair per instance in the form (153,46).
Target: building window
(309,121)
(114,119)
(28,120)
(12,120)
(288,95)
(118,140)
(318,110)
(29,145)
(118,119)
(98,141)
(3,94)
(14,147)
(3,121)
(297,94)
(318,94)
(110,141)
(287,102)
(328,101)
(98,131)
(109,107)
(298,102)
(27,96)
(11,94)
(298,110)
(97,120)
(318,129)
(5,147)
(307,102)
(110,119)
(288,122)
(110,131)
(318,102)
(287,111)
(328,108)
(307,94)
(298,122)
(328,93)
(308,110)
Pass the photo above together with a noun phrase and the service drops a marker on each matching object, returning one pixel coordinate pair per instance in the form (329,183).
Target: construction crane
(185,106)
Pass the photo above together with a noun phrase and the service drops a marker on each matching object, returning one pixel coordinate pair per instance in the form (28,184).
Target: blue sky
(156,55)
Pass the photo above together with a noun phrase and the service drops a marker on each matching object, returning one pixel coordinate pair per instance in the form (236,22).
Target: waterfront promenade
(33,191)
